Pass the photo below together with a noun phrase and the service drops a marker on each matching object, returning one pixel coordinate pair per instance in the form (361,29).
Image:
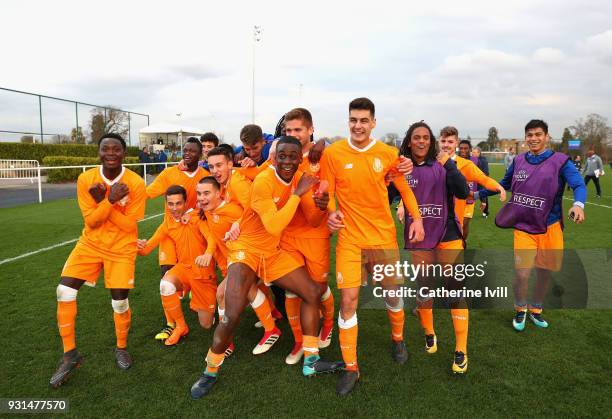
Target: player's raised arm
(315,208)
(158,186)
(94,214)
(327,173)
(473,172)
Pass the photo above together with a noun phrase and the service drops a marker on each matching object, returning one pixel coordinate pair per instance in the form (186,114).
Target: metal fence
(32,117)
(21,171)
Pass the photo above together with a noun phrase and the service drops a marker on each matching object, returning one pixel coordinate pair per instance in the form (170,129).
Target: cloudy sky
(472,64)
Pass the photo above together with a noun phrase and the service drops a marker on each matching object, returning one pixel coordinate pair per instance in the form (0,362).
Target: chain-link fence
(33,118)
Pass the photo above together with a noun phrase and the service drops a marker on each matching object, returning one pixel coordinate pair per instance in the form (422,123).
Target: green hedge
(68,175)
(25,151)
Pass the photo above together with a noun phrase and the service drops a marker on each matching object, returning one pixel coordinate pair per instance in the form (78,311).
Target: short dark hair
(433,145)
(176,190)
(466,142)
(114,136)
(210,137)
(212,181)
(229,149)
(220,151)
(363,103)
(251,134)
(287,139)
(196,141)
(449,132)
(536,123)
(299,113)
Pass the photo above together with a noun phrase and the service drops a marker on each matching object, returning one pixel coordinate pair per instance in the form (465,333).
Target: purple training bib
(428,184)
(534,188)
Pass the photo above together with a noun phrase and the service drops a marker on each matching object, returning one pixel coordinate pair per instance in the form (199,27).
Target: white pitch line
(44,249)
(590,203)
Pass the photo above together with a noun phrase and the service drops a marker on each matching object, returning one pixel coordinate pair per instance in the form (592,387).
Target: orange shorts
(167,252)
(86,262)
(543,251)
(445,252)
(469,211)
(314,253)
(268,267)
(201,282)
(354,263)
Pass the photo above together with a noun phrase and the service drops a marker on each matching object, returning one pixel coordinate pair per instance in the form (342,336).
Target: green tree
(565,138)
(492,138)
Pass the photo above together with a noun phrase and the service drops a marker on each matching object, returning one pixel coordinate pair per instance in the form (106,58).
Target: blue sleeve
(485,166)
(506,183)
(572,176)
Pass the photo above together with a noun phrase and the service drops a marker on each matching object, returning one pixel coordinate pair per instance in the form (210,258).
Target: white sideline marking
(590,203)
(44,249)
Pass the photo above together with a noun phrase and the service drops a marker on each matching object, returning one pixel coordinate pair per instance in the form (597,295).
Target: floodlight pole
(256,38)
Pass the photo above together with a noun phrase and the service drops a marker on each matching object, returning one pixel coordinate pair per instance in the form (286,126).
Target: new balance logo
(348,166)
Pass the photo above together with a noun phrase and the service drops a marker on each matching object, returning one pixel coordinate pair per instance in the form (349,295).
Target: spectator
(483,165)
(593,170)
(508,159)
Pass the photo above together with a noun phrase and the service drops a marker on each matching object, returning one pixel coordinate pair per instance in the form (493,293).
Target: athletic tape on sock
(166,288)
(120,306)
(290,295)
(399,307)
(65,293)
(326,294)
(259,299)
(347,324)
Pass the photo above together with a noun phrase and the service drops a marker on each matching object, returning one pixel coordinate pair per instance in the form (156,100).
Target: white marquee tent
(167,134)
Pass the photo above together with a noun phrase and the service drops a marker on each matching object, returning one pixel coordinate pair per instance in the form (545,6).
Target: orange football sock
(348,330)
(268,293)
(460,323)
(396,319)
(262,309)
(122,327)
(172,306)
(327,306)
(310,345)
(213,362)
(426,317)
(66,319)
(293,304)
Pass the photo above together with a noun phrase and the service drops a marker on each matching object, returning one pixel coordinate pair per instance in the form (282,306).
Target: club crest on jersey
(339,278)
(521,176)
(215,218)
(240,255)
(377,165)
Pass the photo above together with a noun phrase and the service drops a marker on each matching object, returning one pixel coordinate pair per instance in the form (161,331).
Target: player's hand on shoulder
(182,166)
(97,192)
(577,214)
(404,166)
(335,220)
(117,192)
(247,162)
(305,183)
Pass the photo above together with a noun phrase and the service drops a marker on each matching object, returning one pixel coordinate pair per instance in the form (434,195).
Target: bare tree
(106,120)
(593,131)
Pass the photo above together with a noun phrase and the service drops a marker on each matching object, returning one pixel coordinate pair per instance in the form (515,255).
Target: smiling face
(288,159)
(209,197)
(464,151)
(176,205)
(111,153)
(449,144)
(361,124)
(420,142)
(206,147)
(191,154)
(536,140)
(220,167)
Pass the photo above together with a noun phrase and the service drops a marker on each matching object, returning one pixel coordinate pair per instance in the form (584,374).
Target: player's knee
(163,269)
(65,293)
(166,287)
(120,306)
(348,303)
(206,321)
